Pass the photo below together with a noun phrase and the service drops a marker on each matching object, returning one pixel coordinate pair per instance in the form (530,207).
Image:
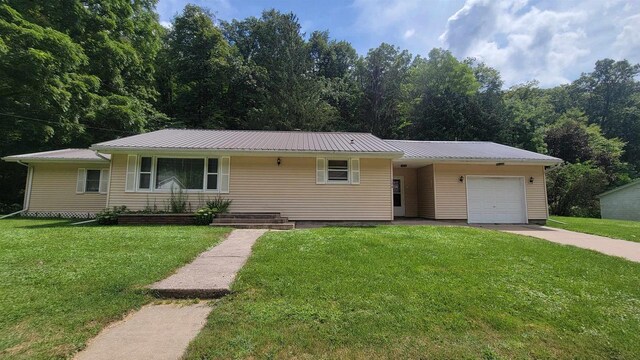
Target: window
(187,174)
(144,182)
(212,174)
(164,174)
(338,170)
(92,182)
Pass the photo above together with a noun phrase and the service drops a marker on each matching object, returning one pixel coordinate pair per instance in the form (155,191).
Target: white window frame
(84,182)
(348,170)
(140,172)
(86,178)
(207,173)
(154,173)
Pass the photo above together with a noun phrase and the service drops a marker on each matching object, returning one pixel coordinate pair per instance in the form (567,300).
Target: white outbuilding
(622,203)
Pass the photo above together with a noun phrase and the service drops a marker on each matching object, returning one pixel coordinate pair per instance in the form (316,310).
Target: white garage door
(498,200)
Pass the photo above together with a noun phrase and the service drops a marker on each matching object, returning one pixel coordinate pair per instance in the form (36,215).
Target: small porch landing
(254,220)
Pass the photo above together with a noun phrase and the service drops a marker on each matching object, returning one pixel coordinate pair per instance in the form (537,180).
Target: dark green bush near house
(9,208)
(204,216)
(219,204)
(110,216)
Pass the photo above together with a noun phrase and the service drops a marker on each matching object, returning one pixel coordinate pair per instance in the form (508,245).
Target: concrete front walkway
(626,249)
(210,275)
(155,332)
(164,331)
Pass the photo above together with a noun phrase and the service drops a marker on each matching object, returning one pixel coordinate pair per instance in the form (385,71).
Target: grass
(424,292)
(61,285)
(617,229)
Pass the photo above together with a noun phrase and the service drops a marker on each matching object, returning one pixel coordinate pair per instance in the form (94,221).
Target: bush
(9,208)
(219,204)
(110,216)
(177,202)
(204,216)
(572,189)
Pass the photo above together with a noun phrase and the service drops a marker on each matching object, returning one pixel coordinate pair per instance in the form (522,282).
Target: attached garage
(496,199)
(474,181)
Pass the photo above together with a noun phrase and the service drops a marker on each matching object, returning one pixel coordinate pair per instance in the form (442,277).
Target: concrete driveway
(626,249)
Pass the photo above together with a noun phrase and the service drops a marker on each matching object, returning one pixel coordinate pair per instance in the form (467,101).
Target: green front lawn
(617,229)
(424,292)
(61,285)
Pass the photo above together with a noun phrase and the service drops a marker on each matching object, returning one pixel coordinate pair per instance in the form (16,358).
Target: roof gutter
(152,150)
(485,161)
(101,156)
(55,160)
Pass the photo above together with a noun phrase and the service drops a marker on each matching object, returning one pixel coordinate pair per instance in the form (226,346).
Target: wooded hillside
(77,72)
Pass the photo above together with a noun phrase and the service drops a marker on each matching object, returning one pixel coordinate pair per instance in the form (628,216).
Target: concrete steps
(253,220)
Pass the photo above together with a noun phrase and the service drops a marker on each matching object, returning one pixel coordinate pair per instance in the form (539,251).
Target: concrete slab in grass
(155,332)
(211,274)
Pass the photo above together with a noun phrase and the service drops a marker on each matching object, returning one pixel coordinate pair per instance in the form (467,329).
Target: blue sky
(551,41)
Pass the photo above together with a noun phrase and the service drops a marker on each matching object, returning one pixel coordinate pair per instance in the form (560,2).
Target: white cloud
(410,24)
(166,24)
(409,33)
(627,42)
(551,42)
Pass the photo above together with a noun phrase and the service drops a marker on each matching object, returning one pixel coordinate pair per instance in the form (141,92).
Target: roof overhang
(201,152)
(636,182)
(498,162)
(29,160)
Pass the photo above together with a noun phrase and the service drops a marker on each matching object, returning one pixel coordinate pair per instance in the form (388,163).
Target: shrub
(9,208)
(204,216)
(219,204)
(110,216)
(177,202)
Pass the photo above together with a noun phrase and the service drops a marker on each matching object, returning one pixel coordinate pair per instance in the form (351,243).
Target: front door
(398,196)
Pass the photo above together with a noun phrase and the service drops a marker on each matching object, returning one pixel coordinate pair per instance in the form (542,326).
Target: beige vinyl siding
(451,195)
(623,204)
(426,195)
(410,190)
(258,184)
(53,189)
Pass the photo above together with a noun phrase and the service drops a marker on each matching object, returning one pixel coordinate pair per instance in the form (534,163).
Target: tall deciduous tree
(120,40)
(440,98)
(609,97)
(284,92)
(195,71)
(380,75)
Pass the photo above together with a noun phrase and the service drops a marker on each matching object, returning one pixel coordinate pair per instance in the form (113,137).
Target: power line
(56,123)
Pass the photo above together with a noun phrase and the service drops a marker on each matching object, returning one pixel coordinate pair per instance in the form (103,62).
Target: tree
(450,100)
(572,189)
(43,93)
(609,97)
(573,140)
(195,71)
(278,74)
(120,40)
(334,65)
(527,110)
(380,75)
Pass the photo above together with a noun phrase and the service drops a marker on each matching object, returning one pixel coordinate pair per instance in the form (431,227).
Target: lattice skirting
(59,214)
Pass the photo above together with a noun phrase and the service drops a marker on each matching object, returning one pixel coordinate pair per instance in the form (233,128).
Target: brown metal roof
(60,155)
(468,151)
(257,141)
